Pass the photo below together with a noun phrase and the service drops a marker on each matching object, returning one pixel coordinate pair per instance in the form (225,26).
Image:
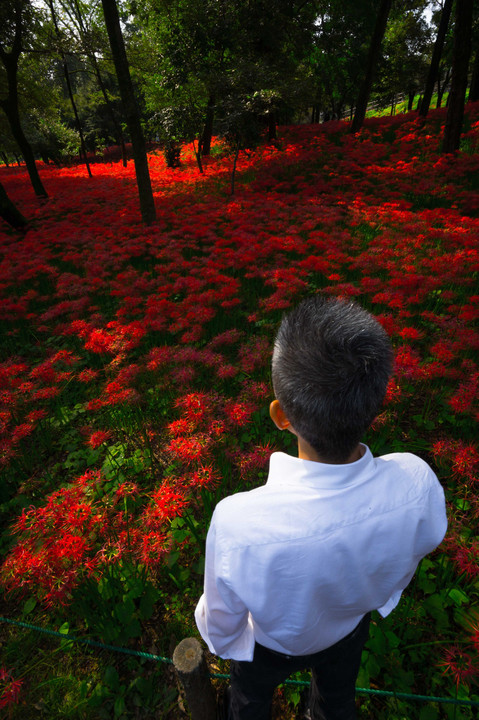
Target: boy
(295,567)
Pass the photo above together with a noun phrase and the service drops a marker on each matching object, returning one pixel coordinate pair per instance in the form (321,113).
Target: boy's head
(332,361)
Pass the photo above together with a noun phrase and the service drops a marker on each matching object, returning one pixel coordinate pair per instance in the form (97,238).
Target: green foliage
(405,50)
(51,138)
(115,606)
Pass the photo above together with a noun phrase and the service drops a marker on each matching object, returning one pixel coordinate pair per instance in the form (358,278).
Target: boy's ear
(277,416)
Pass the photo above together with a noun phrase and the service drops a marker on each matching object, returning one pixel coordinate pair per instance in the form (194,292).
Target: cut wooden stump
(192,671)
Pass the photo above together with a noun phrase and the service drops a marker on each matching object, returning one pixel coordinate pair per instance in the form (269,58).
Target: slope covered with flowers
(134,367)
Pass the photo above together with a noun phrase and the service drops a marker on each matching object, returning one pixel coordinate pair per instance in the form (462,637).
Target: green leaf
(172,559)
(125,610)
(136,587)
(199,567)
(428,712)
(147,605)
(393,640)
(64,629)
(111,677)
(133,629)
(29,606)
(458,596)
(119,707)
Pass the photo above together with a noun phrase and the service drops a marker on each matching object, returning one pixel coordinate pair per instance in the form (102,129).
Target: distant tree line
(77,76)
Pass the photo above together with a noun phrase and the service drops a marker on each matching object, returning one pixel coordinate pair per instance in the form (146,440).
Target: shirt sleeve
(221,617)
(431,526)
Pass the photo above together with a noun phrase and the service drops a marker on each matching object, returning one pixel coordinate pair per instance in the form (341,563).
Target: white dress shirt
(296,563)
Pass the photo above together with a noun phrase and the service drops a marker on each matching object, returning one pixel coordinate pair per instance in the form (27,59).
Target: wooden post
(192,671)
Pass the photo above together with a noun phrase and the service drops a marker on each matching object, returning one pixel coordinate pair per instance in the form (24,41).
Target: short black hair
(332,361)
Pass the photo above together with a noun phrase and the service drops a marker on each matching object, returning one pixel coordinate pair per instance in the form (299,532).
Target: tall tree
(460,68)
(474,87)
(371,63)
(112,22)
(85,32)
(66,73)
(404,53)
(212,57)
(436,58)
(15,15)
(9,212)
(339,53)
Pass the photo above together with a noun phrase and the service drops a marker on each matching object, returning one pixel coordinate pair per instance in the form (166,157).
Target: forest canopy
(202,66)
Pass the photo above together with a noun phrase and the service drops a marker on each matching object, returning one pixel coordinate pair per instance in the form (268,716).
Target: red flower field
(134,377)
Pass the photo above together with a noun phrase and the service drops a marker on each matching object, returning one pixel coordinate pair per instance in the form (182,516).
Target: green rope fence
(298,683)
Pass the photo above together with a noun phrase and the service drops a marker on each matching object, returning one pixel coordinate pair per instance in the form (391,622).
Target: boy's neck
(306,452)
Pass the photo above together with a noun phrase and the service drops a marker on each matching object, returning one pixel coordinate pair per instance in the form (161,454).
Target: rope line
(297,683)
(87,641)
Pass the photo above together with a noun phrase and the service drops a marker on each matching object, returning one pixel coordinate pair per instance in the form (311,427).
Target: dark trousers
(333,679)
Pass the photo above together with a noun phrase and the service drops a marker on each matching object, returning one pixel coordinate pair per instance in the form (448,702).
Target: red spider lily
(254,460)
(466,397)
(46,393)
(254,354)
(393,392)
(9,688)
(473,627)
(183,375)
(229,337)
(227,371)
(462,457)
(205,476)
(166,503)
(115,337)
(411,333)
(98,438)
(172,310)
(458,662)
(55,541)
(239,413)
(180,427)
(466,558)
(216,429)
(87,375)
(126,489)
(20,432)
(408,363)
(195,406)
(159,357)
(189,449)
(153,547)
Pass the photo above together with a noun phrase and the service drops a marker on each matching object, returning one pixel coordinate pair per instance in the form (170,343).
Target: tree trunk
(13,116)
(272,134)
(205,146)
(371,63)
(112,21)
(474,87)
(70,91)
(101,85)
(116,125)
(441,86)
(197,152)
(233,173)
(10,107)
(5,159)
(9,212)
(460,67)
(436,58)
(410,100)
(192,671)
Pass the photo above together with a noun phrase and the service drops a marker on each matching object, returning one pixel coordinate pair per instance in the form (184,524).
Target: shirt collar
(286,470)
